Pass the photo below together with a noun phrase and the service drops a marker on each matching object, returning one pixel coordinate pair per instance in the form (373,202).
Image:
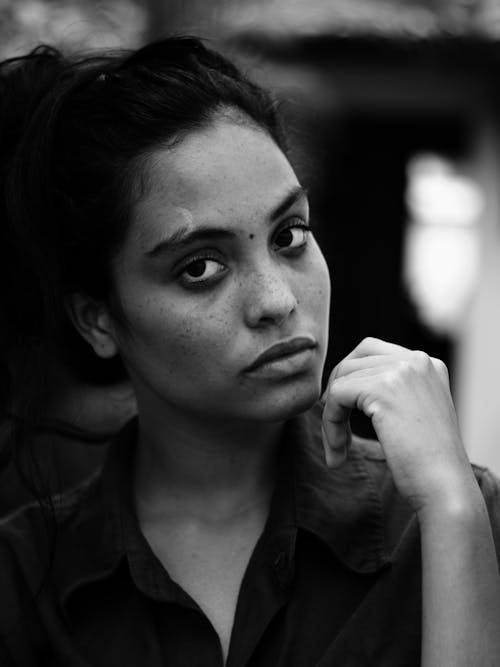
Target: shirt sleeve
(489,484)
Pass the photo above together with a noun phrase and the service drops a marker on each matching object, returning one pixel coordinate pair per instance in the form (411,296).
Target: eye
(292,237)
(200,270)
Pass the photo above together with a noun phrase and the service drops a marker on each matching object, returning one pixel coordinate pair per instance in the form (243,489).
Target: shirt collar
(91,541)
(340,506)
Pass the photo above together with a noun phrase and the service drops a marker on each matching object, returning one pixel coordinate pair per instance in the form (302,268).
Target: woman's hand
(406,394)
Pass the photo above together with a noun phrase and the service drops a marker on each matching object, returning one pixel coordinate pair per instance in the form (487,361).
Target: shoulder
(64,506)
(369,459)
(488,481)
(372,455)
(26,535)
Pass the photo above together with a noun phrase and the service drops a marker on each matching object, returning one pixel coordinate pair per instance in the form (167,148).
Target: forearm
(461,585)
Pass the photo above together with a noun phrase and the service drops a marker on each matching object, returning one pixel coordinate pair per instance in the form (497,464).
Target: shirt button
(279,561)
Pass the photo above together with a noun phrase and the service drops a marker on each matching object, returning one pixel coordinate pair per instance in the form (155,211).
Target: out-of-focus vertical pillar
(478,351)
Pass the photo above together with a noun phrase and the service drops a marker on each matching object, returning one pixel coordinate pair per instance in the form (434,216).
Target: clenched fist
(406,395)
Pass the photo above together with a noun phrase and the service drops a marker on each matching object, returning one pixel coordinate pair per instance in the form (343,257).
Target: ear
(93,321)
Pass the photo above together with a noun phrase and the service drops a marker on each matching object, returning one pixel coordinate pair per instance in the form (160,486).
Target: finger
(336,438)
(373,351)
(410,357)
(355,368)
(343,394)
(441,370)
(352,365)
(373,346)
(351,391)
(335,430)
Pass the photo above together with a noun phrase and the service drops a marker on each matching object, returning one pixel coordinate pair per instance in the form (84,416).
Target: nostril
(269,297)
(272,309)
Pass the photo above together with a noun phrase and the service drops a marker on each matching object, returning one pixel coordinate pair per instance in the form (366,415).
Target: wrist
(455,504)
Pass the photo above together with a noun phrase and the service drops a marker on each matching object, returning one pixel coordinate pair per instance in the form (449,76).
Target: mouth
(282,351)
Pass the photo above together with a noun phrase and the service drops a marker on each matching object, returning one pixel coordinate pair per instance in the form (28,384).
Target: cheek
(181,333)
(316,290)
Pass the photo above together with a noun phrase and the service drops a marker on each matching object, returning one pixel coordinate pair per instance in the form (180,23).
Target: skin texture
(208,428)
(200,313)
(406,394)
(189,347)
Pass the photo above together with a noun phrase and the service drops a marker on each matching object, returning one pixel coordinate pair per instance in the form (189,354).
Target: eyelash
(197,284)
(210,256)
(304,226)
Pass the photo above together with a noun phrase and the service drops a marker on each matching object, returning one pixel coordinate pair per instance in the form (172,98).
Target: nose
(269,297)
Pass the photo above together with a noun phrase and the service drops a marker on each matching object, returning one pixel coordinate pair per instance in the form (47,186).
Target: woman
(236,521)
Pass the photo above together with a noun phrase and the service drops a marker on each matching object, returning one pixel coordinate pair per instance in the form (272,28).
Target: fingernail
(334,456)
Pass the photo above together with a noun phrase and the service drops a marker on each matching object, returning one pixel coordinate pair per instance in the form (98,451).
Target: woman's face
(219,266)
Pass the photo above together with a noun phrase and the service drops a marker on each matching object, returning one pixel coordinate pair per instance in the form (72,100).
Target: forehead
(228,172)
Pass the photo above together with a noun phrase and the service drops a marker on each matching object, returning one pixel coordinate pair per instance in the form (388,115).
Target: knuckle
(333,388)
(439,365)
(371,407)
(401,370)
(441,368)
(367,342)
(403,366)
(338,371)
(421,360)
(393,377)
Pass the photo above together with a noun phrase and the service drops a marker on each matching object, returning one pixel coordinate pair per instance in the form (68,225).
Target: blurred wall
(79,24)
(477,359)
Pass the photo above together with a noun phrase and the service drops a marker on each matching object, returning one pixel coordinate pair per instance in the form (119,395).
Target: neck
(203,469)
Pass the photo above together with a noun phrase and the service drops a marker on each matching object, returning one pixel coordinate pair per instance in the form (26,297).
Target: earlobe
(93,321)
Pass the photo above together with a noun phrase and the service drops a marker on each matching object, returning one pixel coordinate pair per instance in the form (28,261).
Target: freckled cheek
(185,335)
(314,293)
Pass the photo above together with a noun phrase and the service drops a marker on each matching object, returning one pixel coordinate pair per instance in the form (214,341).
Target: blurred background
(394,114)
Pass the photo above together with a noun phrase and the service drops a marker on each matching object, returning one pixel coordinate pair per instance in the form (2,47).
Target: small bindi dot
(250,236)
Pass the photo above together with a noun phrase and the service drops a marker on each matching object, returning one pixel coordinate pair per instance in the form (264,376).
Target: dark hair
(76,133)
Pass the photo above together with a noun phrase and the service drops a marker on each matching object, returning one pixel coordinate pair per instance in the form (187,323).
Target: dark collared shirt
(333,580)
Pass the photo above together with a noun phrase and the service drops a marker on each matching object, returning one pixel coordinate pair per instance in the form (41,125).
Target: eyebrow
(295,194)
(183,237)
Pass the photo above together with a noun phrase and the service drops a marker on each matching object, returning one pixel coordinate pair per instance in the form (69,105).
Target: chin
(286,402)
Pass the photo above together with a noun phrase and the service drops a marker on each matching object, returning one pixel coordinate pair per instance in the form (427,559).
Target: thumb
(335,430)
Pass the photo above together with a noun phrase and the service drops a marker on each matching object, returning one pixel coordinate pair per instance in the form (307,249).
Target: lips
(281,350)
